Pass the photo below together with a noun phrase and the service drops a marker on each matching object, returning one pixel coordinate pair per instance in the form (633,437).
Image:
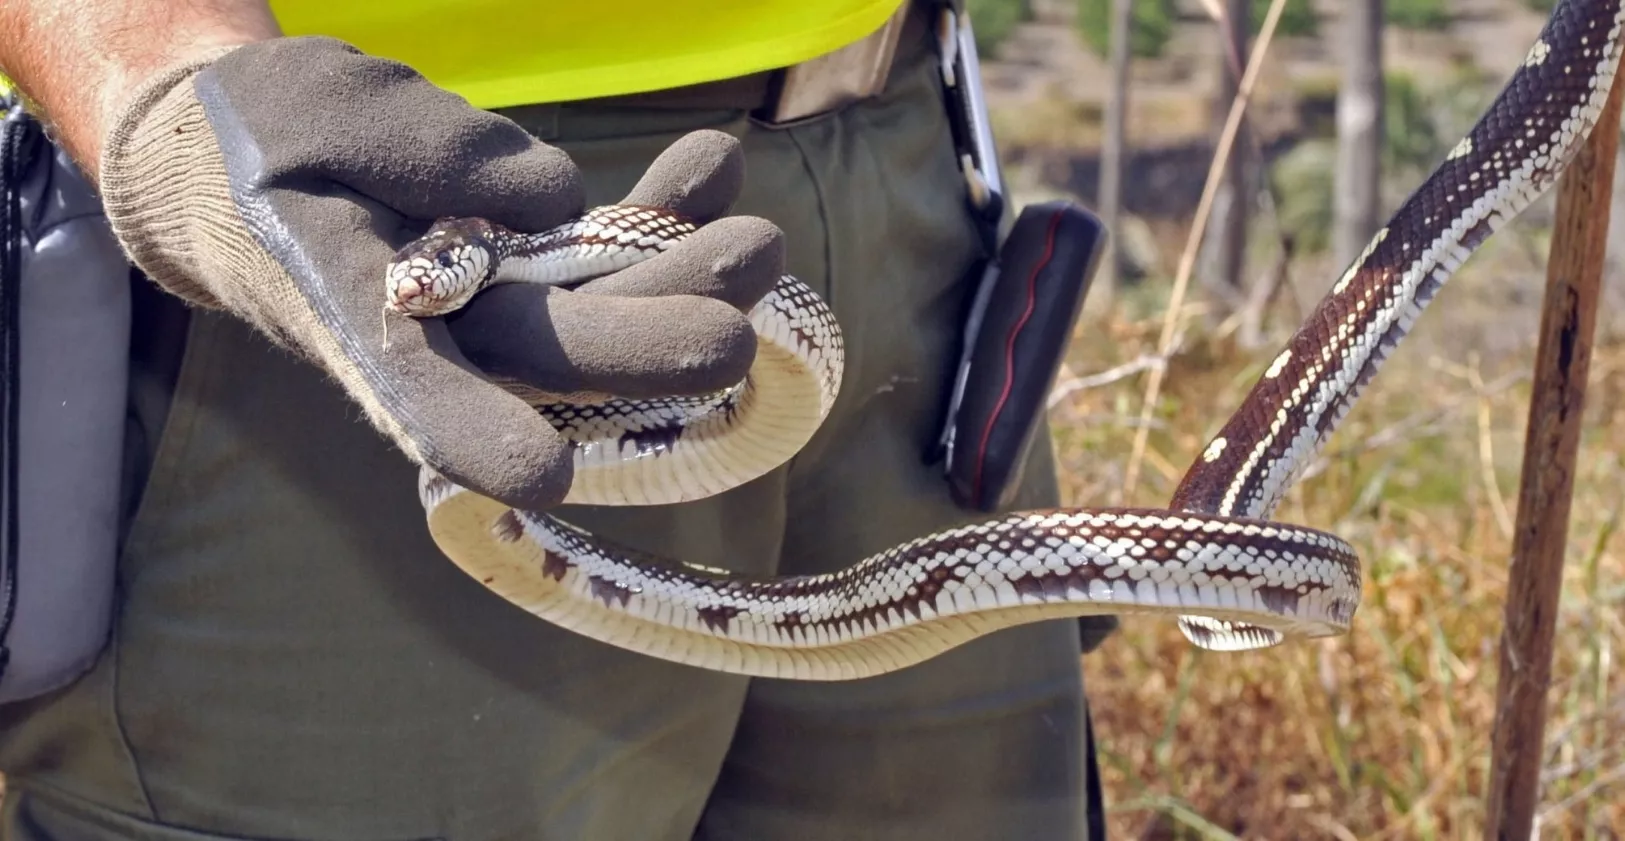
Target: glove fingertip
(535,189)
(522,467)
(700,176)
(469,429)
(737,260)
(561,342)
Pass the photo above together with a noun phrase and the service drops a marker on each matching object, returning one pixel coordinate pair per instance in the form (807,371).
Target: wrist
(126,83)
(80,62)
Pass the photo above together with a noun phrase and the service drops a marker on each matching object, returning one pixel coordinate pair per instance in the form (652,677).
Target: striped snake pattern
(1234,579)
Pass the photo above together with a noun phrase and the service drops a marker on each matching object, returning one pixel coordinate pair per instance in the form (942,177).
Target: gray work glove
(276,180)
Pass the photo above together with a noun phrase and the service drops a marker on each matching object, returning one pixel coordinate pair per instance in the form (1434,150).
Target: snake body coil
(1235,579)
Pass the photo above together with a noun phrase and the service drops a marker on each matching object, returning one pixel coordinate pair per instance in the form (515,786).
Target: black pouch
(64,354)
(1028,296)
(1016,335)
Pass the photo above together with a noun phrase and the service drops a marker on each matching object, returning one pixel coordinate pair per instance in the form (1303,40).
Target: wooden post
(1114,152)
(1562,362)
(1236,199)
(1357,202)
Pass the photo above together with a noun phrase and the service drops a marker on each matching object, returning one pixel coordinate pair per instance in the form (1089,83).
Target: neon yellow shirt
(498,53)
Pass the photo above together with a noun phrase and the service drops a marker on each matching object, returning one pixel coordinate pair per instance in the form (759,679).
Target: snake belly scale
(1235,579)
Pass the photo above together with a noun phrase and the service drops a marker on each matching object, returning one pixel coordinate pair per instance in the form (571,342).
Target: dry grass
(1384,733)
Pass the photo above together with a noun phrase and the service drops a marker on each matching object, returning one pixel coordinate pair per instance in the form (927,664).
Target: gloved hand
(276,180)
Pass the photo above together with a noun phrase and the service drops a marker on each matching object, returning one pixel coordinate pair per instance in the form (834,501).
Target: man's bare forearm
(80,60)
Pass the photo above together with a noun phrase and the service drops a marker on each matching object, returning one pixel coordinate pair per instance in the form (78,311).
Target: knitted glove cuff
(161,176)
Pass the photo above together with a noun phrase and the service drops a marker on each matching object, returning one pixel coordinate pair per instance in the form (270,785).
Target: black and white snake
(1235,579)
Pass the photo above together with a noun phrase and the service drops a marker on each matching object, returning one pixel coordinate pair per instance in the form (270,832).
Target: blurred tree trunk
(1114,153)
(1228,228)
(1358,201)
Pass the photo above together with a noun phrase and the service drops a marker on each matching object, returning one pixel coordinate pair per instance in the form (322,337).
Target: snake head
(440,271)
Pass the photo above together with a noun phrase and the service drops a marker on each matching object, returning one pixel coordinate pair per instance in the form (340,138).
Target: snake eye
(444,259)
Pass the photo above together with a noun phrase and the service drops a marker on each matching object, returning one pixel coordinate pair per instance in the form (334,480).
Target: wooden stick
(1552,437)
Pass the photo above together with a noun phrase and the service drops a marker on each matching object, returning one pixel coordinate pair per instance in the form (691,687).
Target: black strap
(1095,799)
(19,136)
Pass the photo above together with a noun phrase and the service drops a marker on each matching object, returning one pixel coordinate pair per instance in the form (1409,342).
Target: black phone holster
(1017,332)
(1028,295)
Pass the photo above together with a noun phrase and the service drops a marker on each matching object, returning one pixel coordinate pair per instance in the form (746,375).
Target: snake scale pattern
(1235,579)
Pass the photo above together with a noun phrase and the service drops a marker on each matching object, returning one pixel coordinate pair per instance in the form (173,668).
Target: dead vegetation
(1385,733)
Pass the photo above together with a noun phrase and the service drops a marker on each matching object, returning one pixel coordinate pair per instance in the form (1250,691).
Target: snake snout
(440,271)
(408,289)
(406,292)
